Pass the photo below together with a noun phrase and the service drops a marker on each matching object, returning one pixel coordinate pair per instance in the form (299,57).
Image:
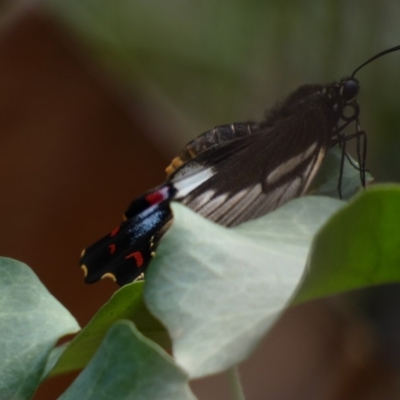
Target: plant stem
(235,384)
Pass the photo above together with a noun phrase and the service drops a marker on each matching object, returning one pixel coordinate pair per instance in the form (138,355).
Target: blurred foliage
(200,64)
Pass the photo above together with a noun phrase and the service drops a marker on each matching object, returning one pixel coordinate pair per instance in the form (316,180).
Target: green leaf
(358,247)
(126,303)
(218,290)
(130,366)
(31,322)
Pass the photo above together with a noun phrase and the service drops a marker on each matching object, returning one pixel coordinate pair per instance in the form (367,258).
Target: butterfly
(235,173)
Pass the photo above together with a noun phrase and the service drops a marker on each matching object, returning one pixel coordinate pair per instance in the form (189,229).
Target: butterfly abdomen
(219,135)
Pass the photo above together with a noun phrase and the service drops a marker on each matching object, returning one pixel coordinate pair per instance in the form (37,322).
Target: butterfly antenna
(382,53)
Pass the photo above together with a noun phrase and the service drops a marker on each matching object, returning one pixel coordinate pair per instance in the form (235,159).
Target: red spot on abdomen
(114,231)
(112,248)
(137,255)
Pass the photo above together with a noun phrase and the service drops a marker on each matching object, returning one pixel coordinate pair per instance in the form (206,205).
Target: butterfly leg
(342,144)
(361,149)
(362,154)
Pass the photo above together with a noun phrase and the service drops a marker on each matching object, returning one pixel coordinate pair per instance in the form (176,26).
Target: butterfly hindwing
(124,254)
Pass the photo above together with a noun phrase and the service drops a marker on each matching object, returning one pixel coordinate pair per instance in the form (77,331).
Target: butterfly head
(344,93)
(349,88)
(342,97)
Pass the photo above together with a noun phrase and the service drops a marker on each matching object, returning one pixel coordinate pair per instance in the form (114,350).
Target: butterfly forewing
(256,174)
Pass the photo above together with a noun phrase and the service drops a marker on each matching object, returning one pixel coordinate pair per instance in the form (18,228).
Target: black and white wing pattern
(251,176)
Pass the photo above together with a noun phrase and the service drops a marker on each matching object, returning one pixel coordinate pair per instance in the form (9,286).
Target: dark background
(97,96)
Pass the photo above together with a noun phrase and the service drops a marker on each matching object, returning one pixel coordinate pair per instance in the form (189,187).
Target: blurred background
(97,96)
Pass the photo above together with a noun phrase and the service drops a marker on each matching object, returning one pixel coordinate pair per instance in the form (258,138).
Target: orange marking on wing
(139,278)
(112,248)
(192,152)
(114,231)
(84,269)
(137,255)
(110,276)
(175,164)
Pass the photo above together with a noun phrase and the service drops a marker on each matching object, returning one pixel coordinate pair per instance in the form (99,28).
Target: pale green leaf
(129,366)
(31,322)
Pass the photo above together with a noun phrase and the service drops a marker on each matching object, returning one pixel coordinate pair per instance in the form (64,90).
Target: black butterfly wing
(124,254)
(254,175)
